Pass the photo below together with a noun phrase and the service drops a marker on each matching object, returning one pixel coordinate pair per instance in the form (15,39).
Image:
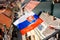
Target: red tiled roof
(31,5)
(5,20)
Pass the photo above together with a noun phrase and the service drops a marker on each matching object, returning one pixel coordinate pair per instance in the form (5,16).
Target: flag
(28,22)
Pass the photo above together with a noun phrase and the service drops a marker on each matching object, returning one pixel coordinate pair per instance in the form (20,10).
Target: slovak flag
(28,22)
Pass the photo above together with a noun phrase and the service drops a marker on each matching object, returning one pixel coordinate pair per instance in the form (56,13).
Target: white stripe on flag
(23,18)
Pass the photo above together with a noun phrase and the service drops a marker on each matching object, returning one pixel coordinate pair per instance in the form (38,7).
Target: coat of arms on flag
(28,22)
(31,19)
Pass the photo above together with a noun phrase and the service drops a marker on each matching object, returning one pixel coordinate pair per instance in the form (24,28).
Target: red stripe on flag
(32,26)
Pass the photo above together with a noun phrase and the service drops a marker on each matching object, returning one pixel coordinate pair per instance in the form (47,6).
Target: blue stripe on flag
(26,23)
(36,16)
(23,25)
